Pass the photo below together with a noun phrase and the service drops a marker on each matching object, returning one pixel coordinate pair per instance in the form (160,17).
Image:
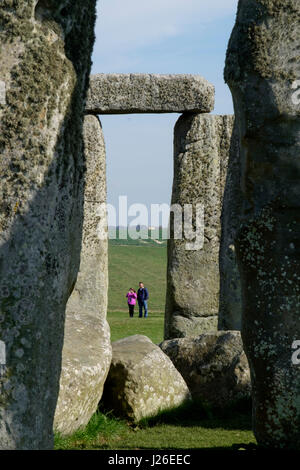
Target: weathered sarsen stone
(149,93)
(45,66)
(262,70)
(142,380)
(213,365)
(201,150)
(87,349)
(230,310)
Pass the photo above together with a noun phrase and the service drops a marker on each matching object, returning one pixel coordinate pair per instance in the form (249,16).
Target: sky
(157,36)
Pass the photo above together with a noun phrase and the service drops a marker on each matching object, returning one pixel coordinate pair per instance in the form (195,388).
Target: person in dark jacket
(142,297)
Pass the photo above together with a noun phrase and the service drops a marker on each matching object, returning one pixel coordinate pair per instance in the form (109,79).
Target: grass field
(189,427)
(130,264)
(121,326)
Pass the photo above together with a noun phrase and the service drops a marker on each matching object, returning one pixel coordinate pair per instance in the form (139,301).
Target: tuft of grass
(100,429)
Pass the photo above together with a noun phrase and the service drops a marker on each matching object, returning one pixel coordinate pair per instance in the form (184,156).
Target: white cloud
(136,23)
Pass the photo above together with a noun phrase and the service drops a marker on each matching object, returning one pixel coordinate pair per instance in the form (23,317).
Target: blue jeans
(141,305)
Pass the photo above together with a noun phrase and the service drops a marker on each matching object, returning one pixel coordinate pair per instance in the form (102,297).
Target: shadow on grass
(195,413)
(106,430)
(233,449)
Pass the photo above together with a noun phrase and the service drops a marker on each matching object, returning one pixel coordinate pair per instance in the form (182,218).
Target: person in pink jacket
(131,299)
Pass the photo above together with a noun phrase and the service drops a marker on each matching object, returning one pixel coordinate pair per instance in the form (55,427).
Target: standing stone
(262,70)
(201,149)
(230,311)
(45,65)
(87,349)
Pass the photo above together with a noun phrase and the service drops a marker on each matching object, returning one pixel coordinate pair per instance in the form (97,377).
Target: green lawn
(130,264)
(186,428)
(122,325)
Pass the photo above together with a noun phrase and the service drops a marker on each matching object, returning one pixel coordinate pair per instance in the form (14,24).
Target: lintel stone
(149,93)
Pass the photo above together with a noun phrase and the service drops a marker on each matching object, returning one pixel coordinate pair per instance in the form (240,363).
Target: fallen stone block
(142,380)
(213,365)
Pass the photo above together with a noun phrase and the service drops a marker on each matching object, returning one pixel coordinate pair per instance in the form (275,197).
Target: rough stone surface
(142,380)
(201,150)
(213,365)
(45,65)
(262,68)
(149,93)
(230,311)
(87,349)
(183,326)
